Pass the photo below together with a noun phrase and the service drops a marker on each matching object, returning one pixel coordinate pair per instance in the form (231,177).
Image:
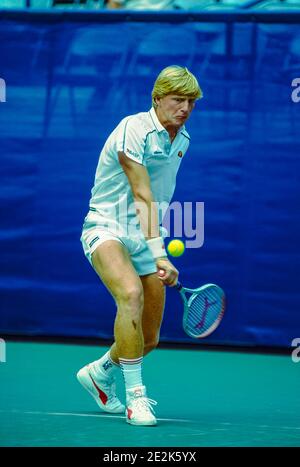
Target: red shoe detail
(129,413)
(102,395)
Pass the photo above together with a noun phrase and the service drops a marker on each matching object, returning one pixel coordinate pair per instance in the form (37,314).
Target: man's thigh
(112,263)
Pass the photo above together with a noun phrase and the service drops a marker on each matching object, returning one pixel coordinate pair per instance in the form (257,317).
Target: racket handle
(178,286)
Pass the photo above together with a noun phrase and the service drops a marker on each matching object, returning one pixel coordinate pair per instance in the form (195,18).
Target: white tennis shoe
(103,390)
(139,410)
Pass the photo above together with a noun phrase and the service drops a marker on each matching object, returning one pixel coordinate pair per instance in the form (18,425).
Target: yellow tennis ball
(176,248)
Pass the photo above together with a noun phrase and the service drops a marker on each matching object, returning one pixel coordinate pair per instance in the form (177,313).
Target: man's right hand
(167,272)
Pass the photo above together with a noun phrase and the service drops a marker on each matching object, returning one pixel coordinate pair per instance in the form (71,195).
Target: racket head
(203,311)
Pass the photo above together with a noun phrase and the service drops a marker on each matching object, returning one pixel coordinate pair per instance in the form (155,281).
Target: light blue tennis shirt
(144,140)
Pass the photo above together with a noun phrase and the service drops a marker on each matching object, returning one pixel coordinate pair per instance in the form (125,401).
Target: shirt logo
(134,154)
(180,154)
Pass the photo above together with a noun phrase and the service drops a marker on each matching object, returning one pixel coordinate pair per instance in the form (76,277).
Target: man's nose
(185,105)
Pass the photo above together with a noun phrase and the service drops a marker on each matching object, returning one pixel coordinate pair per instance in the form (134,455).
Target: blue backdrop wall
(69,80)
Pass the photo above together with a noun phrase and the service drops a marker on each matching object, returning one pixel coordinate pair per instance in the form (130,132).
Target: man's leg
(154,303)
(112,263)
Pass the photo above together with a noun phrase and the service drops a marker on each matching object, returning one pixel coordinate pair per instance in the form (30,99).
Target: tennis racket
(203,310)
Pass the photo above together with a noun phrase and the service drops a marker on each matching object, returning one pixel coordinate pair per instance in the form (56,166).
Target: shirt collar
(159,127)
(184,132)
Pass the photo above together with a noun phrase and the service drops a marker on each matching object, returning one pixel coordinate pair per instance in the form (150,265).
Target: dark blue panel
(70,79)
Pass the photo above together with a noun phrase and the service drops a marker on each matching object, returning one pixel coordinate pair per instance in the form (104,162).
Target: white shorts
(137,248)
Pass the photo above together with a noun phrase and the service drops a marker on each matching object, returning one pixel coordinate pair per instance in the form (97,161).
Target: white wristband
(157,247)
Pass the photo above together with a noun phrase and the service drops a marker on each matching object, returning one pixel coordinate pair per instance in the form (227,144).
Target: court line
(104,415)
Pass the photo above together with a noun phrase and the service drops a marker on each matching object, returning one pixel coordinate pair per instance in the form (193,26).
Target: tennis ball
(176,248)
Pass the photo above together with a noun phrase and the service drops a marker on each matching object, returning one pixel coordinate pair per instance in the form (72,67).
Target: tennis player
(124,242)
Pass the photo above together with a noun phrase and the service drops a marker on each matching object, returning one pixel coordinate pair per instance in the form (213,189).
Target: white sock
(132,371)
(105,366)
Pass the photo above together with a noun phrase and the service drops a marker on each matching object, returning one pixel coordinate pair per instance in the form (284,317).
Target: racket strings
(205,311)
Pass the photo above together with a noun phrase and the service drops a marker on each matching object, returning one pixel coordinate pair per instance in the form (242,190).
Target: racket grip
(178,286)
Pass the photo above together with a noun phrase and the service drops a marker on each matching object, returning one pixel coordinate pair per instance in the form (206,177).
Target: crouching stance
(125,245)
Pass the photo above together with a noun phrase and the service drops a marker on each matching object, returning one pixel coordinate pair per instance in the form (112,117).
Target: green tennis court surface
(205,398)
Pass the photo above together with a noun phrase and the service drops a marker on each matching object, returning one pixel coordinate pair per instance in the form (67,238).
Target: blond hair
(176,80)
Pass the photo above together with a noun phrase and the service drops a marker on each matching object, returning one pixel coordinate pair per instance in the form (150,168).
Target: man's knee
(131,298)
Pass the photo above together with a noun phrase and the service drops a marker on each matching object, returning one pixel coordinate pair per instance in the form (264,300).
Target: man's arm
(146,208)
(139,181)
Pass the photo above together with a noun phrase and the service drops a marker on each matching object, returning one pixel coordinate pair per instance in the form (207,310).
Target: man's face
(174,110)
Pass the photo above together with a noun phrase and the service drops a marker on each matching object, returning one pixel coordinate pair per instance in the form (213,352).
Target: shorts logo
(93,241)
(180,154)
